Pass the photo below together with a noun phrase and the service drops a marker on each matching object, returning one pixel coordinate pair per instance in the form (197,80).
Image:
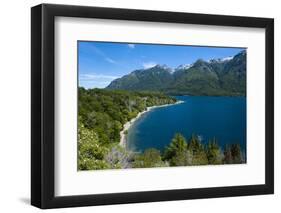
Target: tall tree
(195,146)
(177,145)
(236,153)
(213,152)
(177,153)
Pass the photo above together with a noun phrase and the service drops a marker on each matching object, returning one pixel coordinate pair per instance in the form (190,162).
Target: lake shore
(128,124)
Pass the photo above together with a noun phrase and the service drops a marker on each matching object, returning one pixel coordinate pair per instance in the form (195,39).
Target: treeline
(102,114)
(182,152)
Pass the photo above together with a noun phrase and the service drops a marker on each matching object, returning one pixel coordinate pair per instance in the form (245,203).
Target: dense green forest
(102,114)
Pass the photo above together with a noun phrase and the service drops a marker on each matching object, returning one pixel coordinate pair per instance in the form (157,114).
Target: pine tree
(177,145)
(213,152)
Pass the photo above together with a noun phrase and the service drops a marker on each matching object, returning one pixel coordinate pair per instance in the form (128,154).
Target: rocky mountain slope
(214,77)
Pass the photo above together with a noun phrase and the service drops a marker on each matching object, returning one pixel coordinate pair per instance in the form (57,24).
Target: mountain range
(216,77)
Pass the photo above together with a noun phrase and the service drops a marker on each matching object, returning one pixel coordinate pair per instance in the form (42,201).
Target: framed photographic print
(140,106)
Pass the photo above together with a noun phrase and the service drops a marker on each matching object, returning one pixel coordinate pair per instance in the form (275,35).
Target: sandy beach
(127,125)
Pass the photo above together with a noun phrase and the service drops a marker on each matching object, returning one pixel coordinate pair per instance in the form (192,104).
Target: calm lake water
(221,117)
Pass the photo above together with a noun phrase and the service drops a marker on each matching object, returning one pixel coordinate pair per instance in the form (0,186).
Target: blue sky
(101,62)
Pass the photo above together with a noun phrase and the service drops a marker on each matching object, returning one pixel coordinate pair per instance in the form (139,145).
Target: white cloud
(110,60)
(95,80)
(89,77)
(150,64)
(132,46)
(91,85)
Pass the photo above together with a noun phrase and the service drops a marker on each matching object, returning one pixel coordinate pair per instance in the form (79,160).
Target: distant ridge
(217,77)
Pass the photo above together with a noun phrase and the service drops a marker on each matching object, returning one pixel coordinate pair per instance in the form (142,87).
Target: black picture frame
(43,117)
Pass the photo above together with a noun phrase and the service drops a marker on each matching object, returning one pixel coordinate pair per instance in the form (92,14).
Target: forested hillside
(217,77)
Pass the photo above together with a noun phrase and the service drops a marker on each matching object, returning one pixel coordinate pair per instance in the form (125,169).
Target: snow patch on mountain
(184,66)
(220,60)
(165,67)
(227,58)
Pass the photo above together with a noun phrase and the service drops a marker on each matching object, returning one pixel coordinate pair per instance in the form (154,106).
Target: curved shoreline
(128,124)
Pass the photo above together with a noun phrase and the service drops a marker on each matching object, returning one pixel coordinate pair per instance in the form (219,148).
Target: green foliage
(193,152)
(236,153)
(176,152)
(102,114)
(182,153)
(151,79)
(233,154)
(199,156)
(150,158)
(177,145)
(195,144)
(214,153)
(90,152)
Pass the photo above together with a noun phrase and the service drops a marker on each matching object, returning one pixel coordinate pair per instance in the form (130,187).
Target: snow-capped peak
(183,66)
(227,58)
(220,60)
(165,67)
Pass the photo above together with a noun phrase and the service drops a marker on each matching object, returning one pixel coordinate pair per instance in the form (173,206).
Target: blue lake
(221,117)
